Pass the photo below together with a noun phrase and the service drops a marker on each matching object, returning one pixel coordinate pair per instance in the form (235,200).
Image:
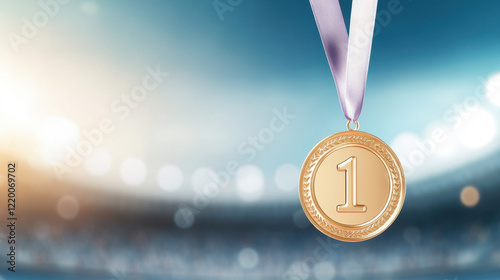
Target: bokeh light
(469,196)
(133,171)
(249,182)
(68,207)
(184,218)
(170,178)
(248,258)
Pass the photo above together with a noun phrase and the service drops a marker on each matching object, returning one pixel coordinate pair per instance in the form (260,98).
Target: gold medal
(352,186)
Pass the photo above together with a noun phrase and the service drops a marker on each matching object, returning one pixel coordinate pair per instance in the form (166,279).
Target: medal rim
(341,227)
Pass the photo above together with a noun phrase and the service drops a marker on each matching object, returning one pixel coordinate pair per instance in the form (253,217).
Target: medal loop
(349,125)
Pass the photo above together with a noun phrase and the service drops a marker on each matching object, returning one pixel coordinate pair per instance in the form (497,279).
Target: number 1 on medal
(350,206)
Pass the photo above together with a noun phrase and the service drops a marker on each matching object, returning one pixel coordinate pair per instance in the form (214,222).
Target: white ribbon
(348,56)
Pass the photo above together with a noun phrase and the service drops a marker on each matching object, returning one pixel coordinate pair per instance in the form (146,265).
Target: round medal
(352,186)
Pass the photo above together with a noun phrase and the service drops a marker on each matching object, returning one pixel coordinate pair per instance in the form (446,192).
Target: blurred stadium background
(142,204)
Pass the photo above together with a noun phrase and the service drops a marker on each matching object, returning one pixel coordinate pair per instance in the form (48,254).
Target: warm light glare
(470,196)
(16,98)
(57,136)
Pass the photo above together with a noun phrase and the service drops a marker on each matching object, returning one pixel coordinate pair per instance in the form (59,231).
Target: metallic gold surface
(352,186)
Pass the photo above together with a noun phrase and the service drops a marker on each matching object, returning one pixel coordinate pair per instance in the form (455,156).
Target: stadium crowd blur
(433,236)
